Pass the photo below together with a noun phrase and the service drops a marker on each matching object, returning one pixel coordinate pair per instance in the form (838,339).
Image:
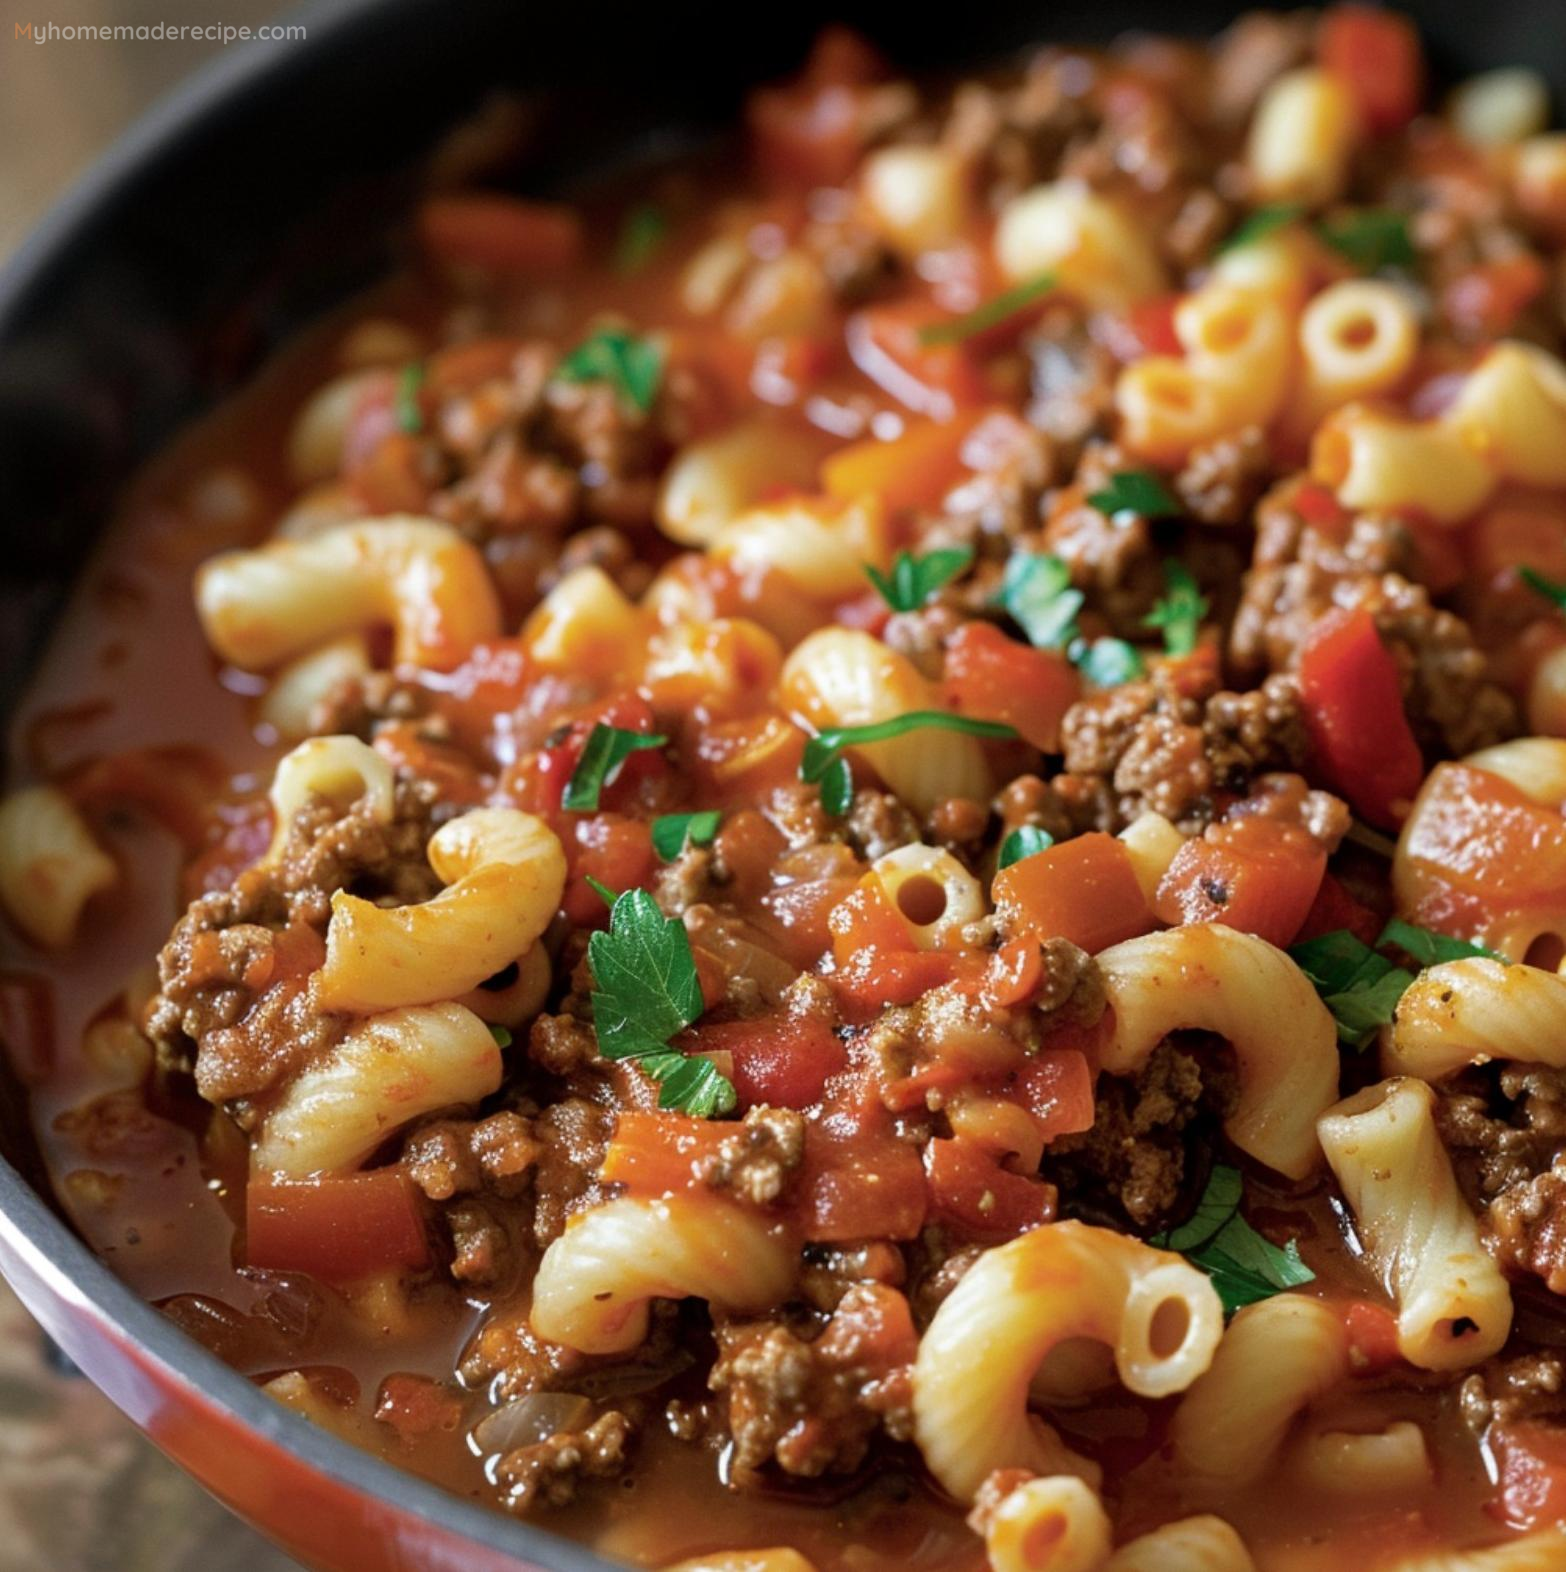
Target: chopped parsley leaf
(608,747)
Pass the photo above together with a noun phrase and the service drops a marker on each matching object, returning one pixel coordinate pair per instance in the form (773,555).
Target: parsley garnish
(1108,662)
(1429,948)
(1359,985)
(410,415)
(1023,841)
(1258,225)
(913,580)
(1371,239)
(673,831)
(608,747)
(1548,588)
(632,366)
(1244,1266)
(1036,591)
(823,763)
(642,234)
(645,990)
(1180,612)
(1136,491)
(501,1035)
(989,314)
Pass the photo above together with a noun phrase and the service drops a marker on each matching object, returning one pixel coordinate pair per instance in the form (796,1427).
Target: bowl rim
(41,1238)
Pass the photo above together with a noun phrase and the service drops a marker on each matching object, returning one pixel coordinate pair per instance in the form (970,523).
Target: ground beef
(1526,1386)
(509,1358)
(1028,800)
(1112,558)
(812,1405)
(1012,464)
(921,635)
(217,1008)
(756,1160)
(830,1271)
(1156,747)
(938,1277)
(1299,573)
(1251,55)
(573,1136)
(452,1157)
(1071,381)
(1223,478)
(480,1244)
(690,880)
(360,705)
(1504,1126)
(1071,987)
(1528,1225)
(550,1473)
(562,1043)
(878,823)
(1135,1152)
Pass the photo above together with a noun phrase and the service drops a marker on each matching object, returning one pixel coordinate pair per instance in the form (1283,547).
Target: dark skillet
(267,189)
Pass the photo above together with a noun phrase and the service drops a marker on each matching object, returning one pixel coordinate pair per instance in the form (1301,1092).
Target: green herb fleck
(1108,662)
(1258,225)
(501,1035)
(991,313)
(1022,842)
(608,747)
(1359,986)
(1036,591)
(1371,239)
(642,234)
(1136,491)
(1244,1267)
(632,366)
(410,413)
(674,831)
(1548,588)
(824,765)
(1180,612)
(645,991)
(1430,948)
(913,580)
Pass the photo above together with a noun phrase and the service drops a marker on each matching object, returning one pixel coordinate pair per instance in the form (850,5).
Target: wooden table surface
(80,1490)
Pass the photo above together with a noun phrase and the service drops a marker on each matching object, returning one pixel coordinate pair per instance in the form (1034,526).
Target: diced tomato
(654,1154)
(415,1406)
(500,234)
(1083,890)
(780,1060)
(931,379)
(611,848)
(1056,1087)
(1489,297)
(1354,709)
(461,367)
(1254,874)
(1532,1487)
(1014,973)
(993,677)
(337,1229)
(1372,1335)
(875,977)
(1150,326)
(407,747)
(1334,909)
(491,682)
(1518,533)
(913,470)
(858,1181)
(970,1191)
(390,477)
(1481,854)
(868,920)
(1321,509)
(241,836)
(1376,54)
(538,782)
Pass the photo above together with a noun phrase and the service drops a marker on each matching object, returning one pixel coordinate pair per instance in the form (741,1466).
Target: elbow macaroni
(1358,339)
(1377,461)
(1058,1282)
(1474,1010)
(259,608)
(1418,1232)
(504,873)
(389,1070)
(1194,1544)
(842,677)
(1056,1524)
(1091,246)
(50,865)
(1285,1044)
(934,893)
(597,1279)
(1276,1358)
(1512,410)
(1302,137)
